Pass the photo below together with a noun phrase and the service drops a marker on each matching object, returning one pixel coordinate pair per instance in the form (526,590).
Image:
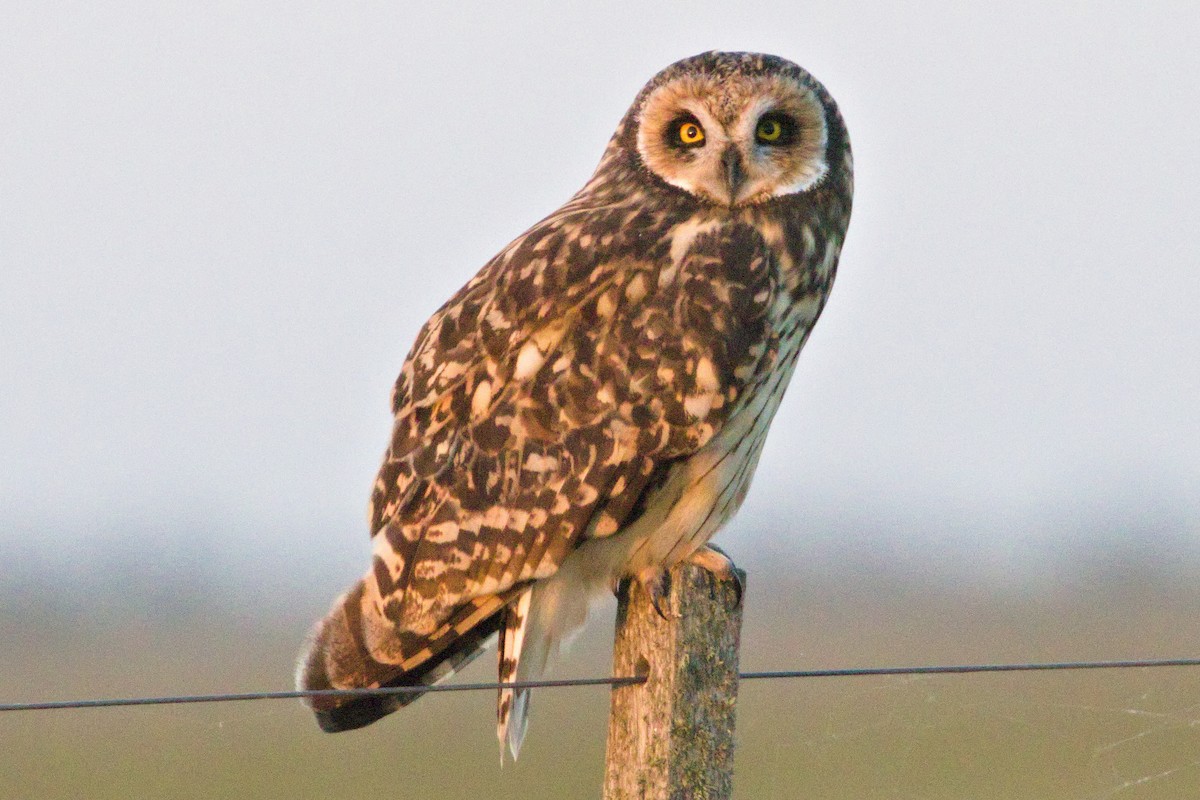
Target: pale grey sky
(221,226)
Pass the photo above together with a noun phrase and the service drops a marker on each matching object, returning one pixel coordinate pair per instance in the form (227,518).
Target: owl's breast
(702,492)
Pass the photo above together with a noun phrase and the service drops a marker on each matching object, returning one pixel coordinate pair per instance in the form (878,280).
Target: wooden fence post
(671,738)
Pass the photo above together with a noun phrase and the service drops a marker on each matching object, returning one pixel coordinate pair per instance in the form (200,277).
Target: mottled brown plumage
(592,404)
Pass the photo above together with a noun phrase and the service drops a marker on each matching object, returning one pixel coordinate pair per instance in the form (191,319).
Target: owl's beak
(735,173)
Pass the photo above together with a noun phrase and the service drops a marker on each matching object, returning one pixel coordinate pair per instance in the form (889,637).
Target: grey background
(221,227)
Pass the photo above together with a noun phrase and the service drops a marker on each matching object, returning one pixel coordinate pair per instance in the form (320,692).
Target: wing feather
(538,405)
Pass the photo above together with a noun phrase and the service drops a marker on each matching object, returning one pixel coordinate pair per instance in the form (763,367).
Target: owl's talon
(659,589)
(714,559)
(739,588)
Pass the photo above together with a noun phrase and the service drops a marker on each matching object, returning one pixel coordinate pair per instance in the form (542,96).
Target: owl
(591,406)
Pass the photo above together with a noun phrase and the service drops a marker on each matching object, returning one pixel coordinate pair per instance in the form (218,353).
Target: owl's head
(735,129)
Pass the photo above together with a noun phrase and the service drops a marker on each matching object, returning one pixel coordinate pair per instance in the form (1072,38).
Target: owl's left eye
(775,129)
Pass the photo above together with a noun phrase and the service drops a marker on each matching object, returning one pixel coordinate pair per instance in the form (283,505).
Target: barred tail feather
(337,658)
(512,704)
(542,622)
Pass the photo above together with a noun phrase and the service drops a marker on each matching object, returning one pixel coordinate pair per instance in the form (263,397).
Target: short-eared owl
(591,406)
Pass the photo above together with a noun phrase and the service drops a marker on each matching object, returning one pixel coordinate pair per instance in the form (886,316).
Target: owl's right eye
(687,132)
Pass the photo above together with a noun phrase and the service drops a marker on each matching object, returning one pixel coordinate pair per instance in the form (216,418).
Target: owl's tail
(534,623)
(337,658)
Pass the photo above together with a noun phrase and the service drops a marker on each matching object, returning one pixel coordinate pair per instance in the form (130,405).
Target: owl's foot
(658,584)
(714,559)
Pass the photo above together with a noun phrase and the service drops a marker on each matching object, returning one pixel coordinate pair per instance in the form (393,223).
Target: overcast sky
(222,224)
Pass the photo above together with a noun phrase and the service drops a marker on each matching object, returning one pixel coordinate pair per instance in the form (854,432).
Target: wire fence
(851,672)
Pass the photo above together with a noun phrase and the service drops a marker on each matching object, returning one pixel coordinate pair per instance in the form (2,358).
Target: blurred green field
(1129,735)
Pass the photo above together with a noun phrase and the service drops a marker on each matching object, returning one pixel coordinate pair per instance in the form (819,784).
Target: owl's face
(734,136)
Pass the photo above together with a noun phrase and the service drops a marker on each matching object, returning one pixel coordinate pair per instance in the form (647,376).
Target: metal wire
(954,669)
(296,693)
(960,669)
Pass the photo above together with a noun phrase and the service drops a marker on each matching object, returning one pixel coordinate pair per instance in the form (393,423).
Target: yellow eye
(690,133)
(769,130)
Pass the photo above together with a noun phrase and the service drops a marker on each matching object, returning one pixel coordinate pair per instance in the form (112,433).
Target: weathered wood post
(672,737)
